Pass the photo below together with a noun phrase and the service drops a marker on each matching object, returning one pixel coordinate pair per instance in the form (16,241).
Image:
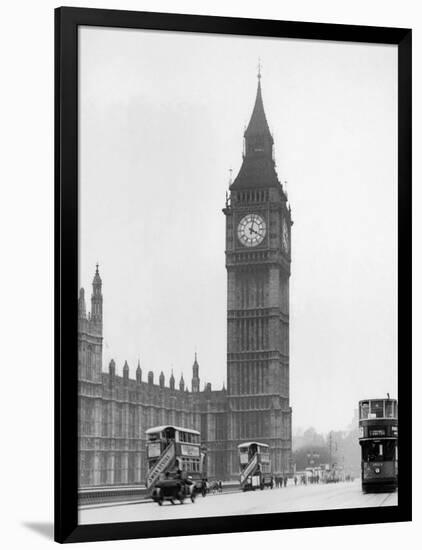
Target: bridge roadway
(287,499)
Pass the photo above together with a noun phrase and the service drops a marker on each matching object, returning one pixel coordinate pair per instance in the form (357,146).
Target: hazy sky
(161,123)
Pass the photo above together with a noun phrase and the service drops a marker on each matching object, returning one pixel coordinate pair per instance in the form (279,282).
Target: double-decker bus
(171,449)
(378,440)
(255,466)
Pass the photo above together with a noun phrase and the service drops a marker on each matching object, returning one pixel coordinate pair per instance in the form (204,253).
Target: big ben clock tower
(258,257)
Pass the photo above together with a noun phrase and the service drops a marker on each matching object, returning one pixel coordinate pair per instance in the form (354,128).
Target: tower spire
(258,124)
(258,166)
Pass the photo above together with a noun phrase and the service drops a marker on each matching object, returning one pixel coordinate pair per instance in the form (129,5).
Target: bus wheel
(160,502)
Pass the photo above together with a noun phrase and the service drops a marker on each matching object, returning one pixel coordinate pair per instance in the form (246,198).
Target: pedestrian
(285,481)
(295,480)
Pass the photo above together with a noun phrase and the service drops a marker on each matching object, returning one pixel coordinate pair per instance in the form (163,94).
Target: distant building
(115,411)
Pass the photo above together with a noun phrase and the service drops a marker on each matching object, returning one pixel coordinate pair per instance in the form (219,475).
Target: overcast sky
(162,117)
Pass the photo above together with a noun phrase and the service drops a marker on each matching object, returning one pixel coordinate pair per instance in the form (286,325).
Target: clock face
(251,230)
(285,237)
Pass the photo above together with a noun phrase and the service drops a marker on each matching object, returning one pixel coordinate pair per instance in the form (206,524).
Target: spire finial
(259,68)
(97,265)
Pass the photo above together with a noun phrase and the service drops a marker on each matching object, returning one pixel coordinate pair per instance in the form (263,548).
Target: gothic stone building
(115,411)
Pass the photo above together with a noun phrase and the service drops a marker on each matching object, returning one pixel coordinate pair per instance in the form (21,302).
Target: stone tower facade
(258,256)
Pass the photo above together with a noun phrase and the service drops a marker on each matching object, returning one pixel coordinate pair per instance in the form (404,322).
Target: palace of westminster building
(115,411)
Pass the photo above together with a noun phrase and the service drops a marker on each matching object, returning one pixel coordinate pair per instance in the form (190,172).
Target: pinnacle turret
(182,383)
(97,301)
(81,304)
(195,375)
(126,373)
(139,373)
(172,380)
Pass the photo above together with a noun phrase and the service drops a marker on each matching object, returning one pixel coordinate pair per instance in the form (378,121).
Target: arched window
(89,361)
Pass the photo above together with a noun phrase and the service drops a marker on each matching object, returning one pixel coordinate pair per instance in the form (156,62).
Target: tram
(378,434)
(174,452)
(255,466)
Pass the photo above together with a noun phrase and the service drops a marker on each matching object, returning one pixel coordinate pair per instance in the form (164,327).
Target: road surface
(286,499)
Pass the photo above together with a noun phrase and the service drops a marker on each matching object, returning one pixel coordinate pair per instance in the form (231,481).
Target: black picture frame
(67,20)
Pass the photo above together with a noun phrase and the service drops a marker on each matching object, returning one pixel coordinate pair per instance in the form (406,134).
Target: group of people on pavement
(279,481)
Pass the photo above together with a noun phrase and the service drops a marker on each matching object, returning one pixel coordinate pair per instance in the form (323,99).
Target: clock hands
(251,229)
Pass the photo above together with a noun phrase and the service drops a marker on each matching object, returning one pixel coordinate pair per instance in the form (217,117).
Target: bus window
(169,434)
(389,450)
(374,451)
(244,459)
(389,409)
(364,410)
(377,408)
